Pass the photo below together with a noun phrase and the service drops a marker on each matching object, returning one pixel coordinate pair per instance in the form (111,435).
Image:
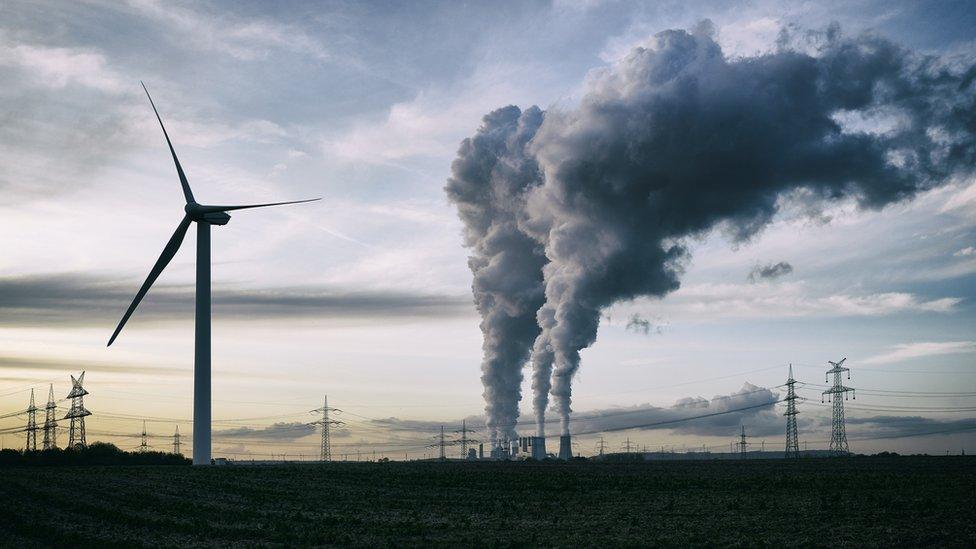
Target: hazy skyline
(366,295)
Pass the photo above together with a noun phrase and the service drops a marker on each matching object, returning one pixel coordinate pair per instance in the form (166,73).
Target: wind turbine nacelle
(216,218)
(206,214)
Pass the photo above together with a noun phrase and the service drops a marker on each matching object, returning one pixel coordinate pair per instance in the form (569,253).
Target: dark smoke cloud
(639,324)
(678,140)
(488,184)
(770,271)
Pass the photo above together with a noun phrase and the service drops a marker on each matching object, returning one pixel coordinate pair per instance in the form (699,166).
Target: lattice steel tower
(464,440)
(31,425)
(176,442)
(50,421)
(325,450)
(742,444)
(837,394)
(144,445)
(792,441)
(77,413)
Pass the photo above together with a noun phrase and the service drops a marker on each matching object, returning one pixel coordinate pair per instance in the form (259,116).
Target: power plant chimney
(565,448)
(538,448)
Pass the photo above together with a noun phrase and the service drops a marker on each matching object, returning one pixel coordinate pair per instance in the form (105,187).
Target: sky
(366,294)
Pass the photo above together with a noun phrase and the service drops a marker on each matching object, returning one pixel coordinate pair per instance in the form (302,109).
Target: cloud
(639,324)
(77,365)
(908,351)
(906,426)
(85,300)
(276,431)
(717,300)
(770,271)
(244,39)
(757,405)
(966,252)
(57,68)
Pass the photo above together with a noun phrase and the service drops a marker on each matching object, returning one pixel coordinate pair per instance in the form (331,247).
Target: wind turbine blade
(209,209)
(164,258)
(187,193)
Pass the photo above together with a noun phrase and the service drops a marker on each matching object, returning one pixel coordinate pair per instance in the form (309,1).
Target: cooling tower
(539,448)
(565,448)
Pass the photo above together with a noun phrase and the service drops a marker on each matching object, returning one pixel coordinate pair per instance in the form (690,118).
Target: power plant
(470,448)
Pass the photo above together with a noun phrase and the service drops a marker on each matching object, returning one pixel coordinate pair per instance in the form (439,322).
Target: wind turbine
(204,216)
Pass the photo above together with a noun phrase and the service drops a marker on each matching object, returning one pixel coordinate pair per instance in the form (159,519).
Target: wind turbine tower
(204,216)
(838,431)
(792,441)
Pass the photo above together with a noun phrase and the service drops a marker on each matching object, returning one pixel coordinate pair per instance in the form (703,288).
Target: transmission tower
(464,440)
(601,446)
(440,444)
(325,449)
(838,431)
(628,445)
(792,442)
(77,413)
(144,445)
(742,444)
(32,425)
(176,442)
(50,422)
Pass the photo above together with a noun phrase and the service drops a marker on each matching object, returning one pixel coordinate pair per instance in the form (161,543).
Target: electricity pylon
(628,445)
(742,444)
(838,430)
(32,425)
(77,413)
(464,440)
(50,421)
(440,444)
(325,448)
(144,445)
(176,442)
(792,441)
(601,446)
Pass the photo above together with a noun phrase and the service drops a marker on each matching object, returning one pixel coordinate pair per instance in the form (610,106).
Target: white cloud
(434,122)
(907,351)
(712,301)
(60,67)
(245,40)
(966,252)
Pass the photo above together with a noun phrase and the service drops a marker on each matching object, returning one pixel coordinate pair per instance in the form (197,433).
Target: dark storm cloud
(678,140)
(488,183)
(277,431)
(61,365)
(770,271)
(86,300)
(906,426)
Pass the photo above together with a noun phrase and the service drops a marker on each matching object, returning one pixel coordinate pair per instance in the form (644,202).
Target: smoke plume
(489,180)
(678,140)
